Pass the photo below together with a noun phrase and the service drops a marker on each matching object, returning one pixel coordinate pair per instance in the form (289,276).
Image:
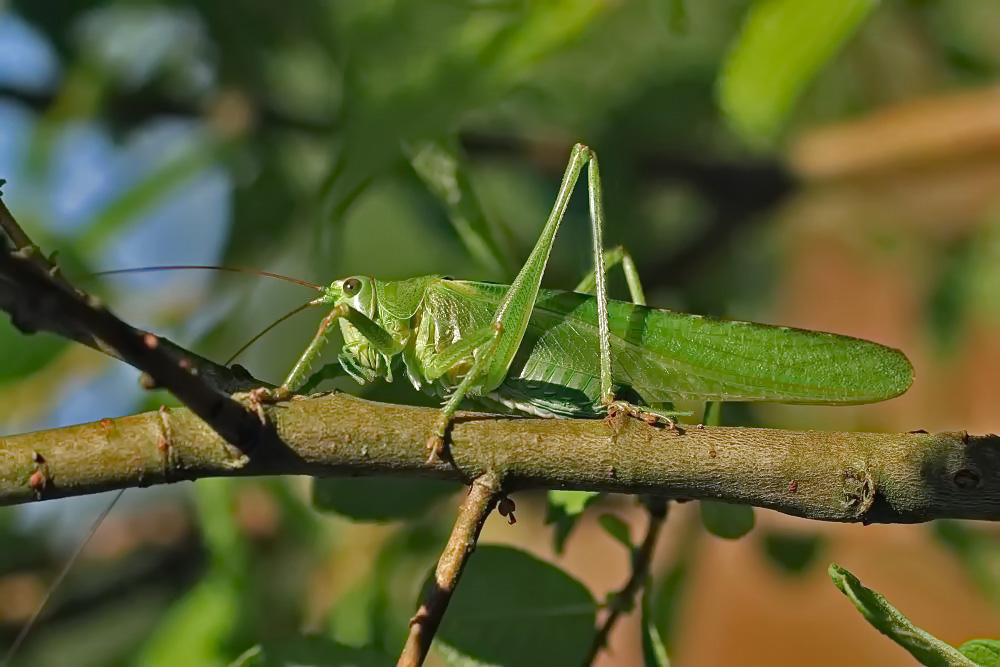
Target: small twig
(642,557)
(234,422)
(478,504)
(27,312)
(9,225)
(45,300)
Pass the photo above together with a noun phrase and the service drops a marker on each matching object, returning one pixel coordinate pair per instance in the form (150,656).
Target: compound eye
(352,286)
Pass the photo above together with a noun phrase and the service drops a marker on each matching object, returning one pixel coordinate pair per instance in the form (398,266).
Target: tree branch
(830,476)
(38,297)
(482,497)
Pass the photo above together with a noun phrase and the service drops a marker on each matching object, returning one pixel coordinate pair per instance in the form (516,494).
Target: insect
(575,354)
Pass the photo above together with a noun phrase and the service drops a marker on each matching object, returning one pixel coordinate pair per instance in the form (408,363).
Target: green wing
(666,356)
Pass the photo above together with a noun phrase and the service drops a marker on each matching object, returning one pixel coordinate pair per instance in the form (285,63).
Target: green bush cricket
(574,354)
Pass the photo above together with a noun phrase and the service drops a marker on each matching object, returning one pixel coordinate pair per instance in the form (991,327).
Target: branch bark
(482,497)
(830,476)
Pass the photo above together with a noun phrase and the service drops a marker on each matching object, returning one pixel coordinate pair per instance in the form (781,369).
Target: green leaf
(948,304)
(24,355)
(153,189)
(617,529)
(511,608)
(713,413)
(977,550)
(375,609)
(388,499)
(983,652)
(310,652)
(679,21)
(564,509)
(783,44)
(667,605)
(195,629)
(654,650)
(3,182)
(923,646)
(350,620)
(725,520)
(792,553)
(198,627)
(440,166)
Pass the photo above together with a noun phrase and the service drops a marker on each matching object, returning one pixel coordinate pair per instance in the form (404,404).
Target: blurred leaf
(679,21)
(571,502)
(983,652)
(982,287)
(216,500)
(977,550)
(654,652)
(386,499)
(668,589)
(949,299)
(145,194)
(199,626)
(617,529)
(783,44)
(310,652)
(375,608)
(514,609)
(440,166)
(885,618)
(564,508)
(20,548)
(24,355)
(195,629)
(351,620)
(726,520)
(713,413)
(792,553)
(669,593)
(436,63)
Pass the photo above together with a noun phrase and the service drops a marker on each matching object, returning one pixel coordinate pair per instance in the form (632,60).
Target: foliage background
(833,173)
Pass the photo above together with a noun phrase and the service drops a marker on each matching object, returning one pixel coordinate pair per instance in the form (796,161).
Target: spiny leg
(489,370)
(257,398)
(603,261)
(490,337)
(612,258)
(376,335)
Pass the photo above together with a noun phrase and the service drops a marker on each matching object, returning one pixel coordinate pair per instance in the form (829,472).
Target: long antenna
(295,311)
(26,628)
(203,267)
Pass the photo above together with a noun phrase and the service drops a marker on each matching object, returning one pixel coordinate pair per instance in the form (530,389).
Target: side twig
(37,297)
(478,504)
(9,225)
(623,601)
